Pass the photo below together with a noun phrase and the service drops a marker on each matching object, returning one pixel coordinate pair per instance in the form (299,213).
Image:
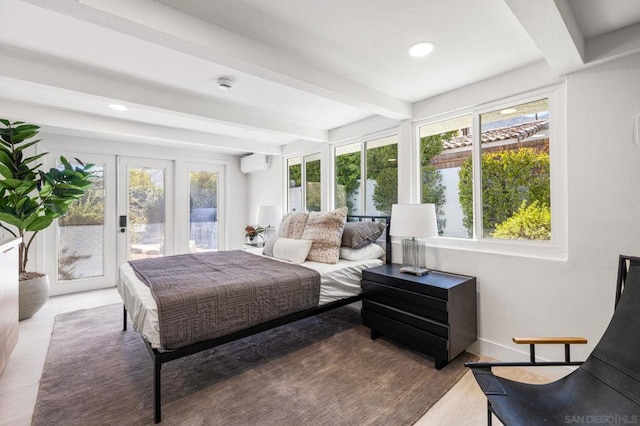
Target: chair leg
(489,413)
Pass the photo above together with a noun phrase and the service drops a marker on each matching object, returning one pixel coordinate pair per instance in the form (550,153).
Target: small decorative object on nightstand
(434,313)
(253,233)
(415,221)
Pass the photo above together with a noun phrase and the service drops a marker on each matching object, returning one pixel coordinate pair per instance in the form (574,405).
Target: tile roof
(518,132)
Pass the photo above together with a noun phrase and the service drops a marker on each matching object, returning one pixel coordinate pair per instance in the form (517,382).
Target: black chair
(604,389)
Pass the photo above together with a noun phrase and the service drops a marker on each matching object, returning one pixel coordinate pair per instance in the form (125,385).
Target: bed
(339,285)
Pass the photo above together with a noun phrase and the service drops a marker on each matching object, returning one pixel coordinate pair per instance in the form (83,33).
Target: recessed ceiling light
(224,83)
(508,111)
(421,48)
(118,107)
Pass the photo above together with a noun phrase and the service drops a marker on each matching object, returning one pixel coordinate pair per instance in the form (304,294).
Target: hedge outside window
(304,188)
(367,176)
(514,171)
(312,179)
(294,177)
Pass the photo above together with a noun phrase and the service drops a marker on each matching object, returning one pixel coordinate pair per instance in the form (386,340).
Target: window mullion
(363,178)
(477,177)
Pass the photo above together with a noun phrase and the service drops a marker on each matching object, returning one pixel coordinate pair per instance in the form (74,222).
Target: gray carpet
(324,370)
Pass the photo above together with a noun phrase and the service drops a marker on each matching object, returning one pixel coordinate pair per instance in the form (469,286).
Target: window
(312,179)
(294,177)
(81,233)
(516,185)
(304,177)
(366,180)
(499,190)
(444,147)
(203,211)
(348,172)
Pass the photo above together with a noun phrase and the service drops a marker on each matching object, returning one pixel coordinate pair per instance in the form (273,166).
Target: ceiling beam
(613,45)
(159,24)
(553,28)
(50,72)
(77,123)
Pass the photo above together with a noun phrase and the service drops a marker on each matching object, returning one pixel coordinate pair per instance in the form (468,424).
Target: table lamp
(269,217)
(413,221)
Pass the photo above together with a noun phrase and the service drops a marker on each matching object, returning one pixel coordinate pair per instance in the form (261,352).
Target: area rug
(323,370)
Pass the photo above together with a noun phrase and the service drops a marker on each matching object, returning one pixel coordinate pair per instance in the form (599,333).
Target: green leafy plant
(508,178)
(252,231)
(385,174)
(30,199)
(433,190)
(532,222)
(347,180)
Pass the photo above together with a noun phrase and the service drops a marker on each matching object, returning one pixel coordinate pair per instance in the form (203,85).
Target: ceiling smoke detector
(224,83)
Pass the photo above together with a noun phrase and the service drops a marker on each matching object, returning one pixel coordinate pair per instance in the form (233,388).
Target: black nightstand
(434,313)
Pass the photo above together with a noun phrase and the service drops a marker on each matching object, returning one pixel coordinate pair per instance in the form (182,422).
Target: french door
(201,209)
(145,221)
(80,246)
(134,211)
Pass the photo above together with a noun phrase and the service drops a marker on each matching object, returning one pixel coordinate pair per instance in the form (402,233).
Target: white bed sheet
(337,281)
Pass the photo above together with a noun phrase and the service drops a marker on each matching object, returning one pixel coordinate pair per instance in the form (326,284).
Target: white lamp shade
(413,220)
(269,215)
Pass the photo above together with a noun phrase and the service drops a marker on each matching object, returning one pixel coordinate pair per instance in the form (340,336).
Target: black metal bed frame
(160,357)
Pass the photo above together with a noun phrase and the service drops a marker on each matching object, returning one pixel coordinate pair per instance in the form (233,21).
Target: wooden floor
(464,404)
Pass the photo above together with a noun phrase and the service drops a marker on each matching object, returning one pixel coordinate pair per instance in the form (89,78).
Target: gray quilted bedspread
(202,296)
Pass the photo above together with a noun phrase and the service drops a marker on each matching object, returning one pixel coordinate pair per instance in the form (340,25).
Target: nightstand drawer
(421,340)
(417,321)
(405,300)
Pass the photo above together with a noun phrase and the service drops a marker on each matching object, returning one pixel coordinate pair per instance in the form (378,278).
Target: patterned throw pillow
(360,234)
(325,230)
(292,225)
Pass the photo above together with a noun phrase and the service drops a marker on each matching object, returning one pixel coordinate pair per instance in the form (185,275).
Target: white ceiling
(300,68)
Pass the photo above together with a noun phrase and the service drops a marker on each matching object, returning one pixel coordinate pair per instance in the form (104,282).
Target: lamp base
(415,270)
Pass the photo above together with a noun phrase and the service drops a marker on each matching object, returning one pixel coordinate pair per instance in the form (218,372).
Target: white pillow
(372,251)
(291,250)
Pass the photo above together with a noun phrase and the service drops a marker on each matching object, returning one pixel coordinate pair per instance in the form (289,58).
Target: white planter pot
(33,294)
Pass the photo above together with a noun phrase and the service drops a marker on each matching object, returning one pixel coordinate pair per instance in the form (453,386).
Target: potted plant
(252,232)
(30,200)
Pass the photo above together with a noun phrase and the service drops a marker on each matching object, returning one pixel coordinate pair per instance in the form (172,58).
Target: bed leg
(124,318)
(157,365)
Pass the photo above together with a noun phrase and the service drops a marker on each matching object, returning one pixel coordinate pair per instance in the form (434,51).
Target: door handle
(123,224)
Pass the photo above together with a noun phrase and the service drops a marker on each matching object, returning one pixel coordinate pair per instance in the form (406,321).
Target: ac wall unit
(255,163)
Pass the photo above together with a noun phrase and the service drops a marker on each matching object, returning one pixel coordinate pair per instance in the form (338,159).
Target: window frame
(554,249)
(362,141)
(184,168)
(303,177)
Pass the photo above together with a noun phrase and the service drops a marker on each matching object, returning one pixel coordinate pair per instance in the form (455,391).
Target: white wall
(264,188)
(528,296)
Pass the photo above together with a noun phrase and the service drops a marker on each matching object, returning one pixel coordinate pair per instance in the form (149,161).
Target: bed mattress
(338,281)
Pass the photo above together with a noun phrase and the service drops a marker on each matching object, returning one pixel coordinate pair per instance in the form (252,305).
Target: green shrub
(509,177)
(532,222)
